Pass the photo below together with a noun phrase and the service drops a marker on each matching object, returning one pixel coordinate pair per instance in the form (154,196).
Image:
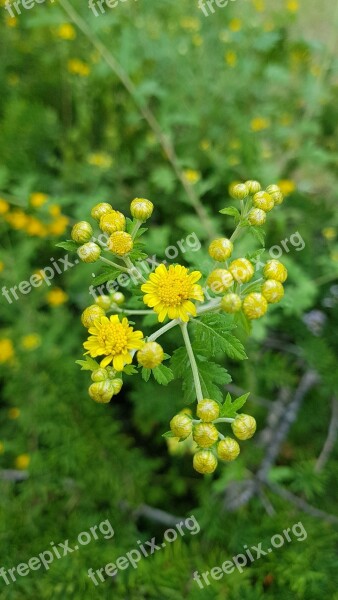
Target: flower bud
(22,461)
(205,434)
(118,298)
(141,209)
(99,375)
(120,243)
(181,426)
(220,280)
(272,189)
(244,427)
(221,249)
(242,270)
(254,306)
(101,391)
(263,201)
(276,193)
(89,252)
(204,462)
(82,232)
(228,449)
(103,301)
(239,191)
(257,217)
(207,410)
(101,209)
(275,270)
(272,291)
(90,315)
(253,186)
(231,303)
(151,355)
(113,221)
(117,385)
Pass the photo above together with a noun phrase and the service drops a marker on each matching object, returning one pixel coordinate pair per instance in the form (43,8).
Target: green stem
(136,228)
(131,267)
(132,312)
(209,307)
(192,359)
(224,420)
(163,330)
(112,264)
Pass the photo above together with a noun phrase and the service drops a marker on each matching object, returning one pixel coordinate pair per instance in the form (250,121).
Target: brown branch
(301,504)
(330,440)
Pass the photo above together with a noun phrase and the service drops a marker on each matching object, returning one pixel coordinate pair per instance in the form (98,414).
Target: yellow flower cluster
(210,444)
(20,220)
(6,350)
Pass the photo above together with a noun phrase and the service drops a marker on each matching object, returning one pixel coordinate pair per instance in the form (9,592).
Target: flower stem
(208,307)
(163,330)
(192,359)
(224,420)
(112,264)
(136,228)
(132,267)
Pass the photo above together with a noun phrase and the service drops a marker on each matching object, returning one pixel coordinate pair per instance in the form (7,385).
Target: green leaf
(130,370)
(107,275)
(146,374)
(211,375)
(259,234)
(68,245)
(232,211)
(212,333)
(88,365)
(163,374)
(230,409)
(168,434)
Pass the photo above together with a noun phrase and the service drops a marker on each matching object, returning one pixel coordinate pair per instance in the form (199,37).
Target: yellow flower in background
(59,226)
(37,199)
(78,67)
(2,448)
(259,5)
(11,21)
(14,413)
(66,32)
(31,341)
(6,350)
(4,206)
(190,23)
(54,210)
(2,266)
(287,186)
(113,339)
(192,176)
(197,40)
(260,123)
(235,144)
(22,461)
(330,233)
(100,159)
(56,297)
(170,292)
(230,58)
(13,79)
(235,25)
(18,219)
(35,227)
(292,6)
(205,145)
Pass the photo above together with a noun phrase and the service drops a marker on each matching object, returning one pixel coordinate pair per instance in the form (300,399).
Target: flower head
(82,232)
(204,462)
(6,350)
(113,221)
(141,209)
(56,297)
(151,355)
(113,339)
(170,291)
(120,243)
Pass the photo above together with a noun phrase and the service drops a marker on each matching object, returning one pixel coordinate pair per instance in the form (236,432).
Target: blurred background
(248,91)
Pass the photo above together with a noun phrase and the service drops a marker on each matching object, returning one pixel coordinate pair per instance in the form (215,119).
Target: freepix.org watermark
(208,6)
(14,8)
(145,549)
(249,555)
(98,6)
(57,551)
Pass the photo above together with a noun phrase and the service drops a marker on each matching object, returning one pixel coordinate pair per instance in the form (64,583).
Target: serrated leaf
(68,245)
(88,365)
(163,374)
(259,234)
(107,275)
(232,211)
(230,408)
(168,434)
(146,374)
(212,333)
(130,370)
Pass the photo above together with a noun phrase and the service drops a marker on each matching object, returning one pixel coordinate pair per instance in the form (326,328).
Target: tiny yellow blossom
(22,461)
(54,210)
(330,233)
(100,160)
(235,25)
(66,31)
(120,242)
(113,339)
(190,23)
(192,176)
(37,199)
(11,21)
(56,297)
(230,58)
(31,341)
(6,350)
(2,266)
(4,206)
(292,6)
(286,186)
(2,447)
(78,67)
(14,413)
(260,123)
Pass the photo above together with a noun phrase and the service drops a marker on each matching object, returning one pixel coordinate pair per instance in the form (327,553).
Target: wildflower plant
(206,310)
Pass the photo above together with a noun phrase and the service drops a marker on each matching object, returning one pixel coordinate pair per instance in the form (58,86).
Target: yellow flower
(235,25)
(78,67)
(2,448)
(292,6)
(14,413)
(31,341)
(11,21)
(37,199)
(120,243)
(35,227)
(22,461)
(197,40)
(4,206)
(260,123)
(66,32)
(2,266)
(330,233)
(192,176)
(230,58)
(6,350)
(54,210)
(56,297)
(114,339)
(205,145)
(170,291)
(259,5)
(190,23)
(18,219)
(59,226)
(100,159)
(286,186)
(151,355)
